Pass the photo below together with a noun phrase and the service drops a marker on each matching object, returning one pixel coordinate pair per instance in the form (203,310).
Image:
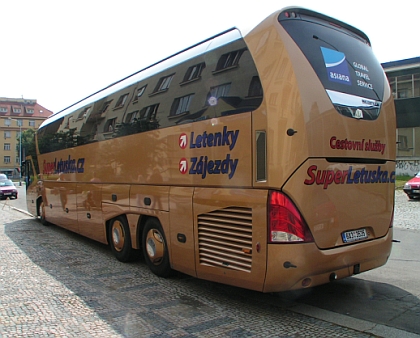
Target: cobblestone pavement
(54,283)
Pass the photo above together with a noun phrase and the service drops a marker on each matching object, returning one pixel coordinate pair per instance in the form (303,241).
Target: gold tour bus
(264,161)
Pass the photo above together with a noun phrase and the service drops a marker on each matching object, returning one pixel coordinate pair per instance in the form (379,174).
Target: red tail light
(285,222)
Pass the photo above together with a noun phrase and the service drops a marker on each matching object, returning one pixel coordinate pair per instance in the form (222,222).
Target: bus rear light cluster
(285,223)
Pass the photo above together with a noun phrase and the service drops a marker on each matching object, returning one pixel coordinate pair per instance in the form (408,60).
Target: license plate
(354,235)
(7,193)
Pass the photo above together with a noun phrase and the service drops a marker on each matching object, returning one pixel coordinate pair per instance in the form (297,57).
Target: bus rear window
(342,58)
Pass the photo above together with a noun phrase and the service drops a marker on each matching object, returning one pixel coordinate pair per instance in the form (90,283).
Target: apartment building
(404,79)
(16,116)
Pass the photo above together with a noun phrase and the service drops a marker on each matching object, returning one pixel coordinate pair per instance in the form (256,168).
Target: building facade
(16,116)
(404,79)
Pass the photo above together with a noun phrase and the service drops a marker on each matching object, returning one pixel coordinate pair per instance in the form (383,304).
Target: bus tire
(155,250)
(120,240)
(41,213)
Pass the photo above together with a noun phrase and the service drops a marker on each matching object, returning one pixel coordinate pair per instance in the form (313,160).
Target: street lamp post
(20,149)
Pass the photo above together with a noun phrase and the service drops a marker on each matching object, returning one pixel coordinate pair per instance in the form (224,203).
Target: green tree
(28,146)
(28,143)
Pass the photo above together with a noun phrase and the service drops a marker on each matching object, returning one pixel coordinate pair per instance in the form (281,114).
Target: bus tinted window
(344,63)
(221,82)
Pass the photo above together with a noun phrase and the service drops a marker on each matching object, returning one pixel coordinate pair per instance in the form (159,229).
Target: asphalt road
(384,302)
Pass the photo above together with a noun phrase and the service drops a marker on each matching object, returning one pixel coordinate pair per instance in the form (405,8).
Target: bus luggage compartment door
(181,236)
(61,204)
(231,236)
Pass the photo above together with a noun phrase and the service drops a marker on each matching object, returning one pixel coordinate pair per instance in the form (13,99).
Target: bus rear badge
(358,114)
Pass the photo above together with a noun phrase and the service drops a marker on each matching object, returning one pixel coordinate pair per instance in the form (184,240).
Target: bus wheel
(155,249)
(41,213)
(119,239)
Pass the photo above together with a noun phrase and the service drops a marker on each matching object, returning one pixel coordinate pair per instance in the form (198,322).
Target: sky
(59,51)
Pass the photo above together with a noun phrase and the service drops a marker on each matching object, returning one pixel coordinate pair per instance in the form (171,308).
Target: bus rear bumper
(297,266)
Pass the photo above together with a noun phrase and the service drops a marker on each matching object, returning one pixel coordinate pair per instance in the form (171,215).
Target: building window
(229,60)
(84,113)
(7,134)
(132,117)
(7,122)
(139,121)
(6,159)
(29,110)
(121,101)
(17,110)
(405,86)
(105,106)
(194,72)
(3,110)
(216,92)
(416,85)
(402,143)
(31,123)
(19,123)
(140,92)
(181,105)
(110,125)
(163,84)
(149,112)
(7,146)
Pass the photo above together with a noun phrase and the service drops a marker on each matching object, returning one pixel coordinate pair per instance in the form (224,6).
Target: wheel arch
(108,224)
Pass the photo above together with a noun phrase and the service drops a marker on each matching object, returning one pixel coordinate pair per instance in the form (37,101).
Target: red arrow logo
(183,166)
(183,141)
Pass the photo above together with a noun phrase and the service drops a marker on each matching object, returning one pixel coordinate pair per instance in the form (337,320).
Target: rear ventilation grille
(225,238)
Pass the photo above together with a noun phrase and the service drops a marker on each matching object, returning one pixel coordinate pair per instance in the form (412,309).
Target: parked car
(3,177)
(412,187)
(7,189)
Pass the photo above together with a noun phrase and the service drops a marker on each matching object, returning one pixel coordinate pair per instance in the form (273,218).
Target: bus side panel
(231,236)
(89,212)
(61,208)
(149,197)
(282,104)
(116,193)
(213,152)
(181,234)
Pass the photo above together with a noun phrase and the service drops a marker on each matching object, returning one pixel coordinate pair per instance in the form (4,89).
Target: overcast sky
(59,52)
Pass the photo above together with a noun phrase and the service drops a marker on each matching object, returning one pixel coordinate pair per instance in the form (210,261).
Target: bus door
(33,190)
